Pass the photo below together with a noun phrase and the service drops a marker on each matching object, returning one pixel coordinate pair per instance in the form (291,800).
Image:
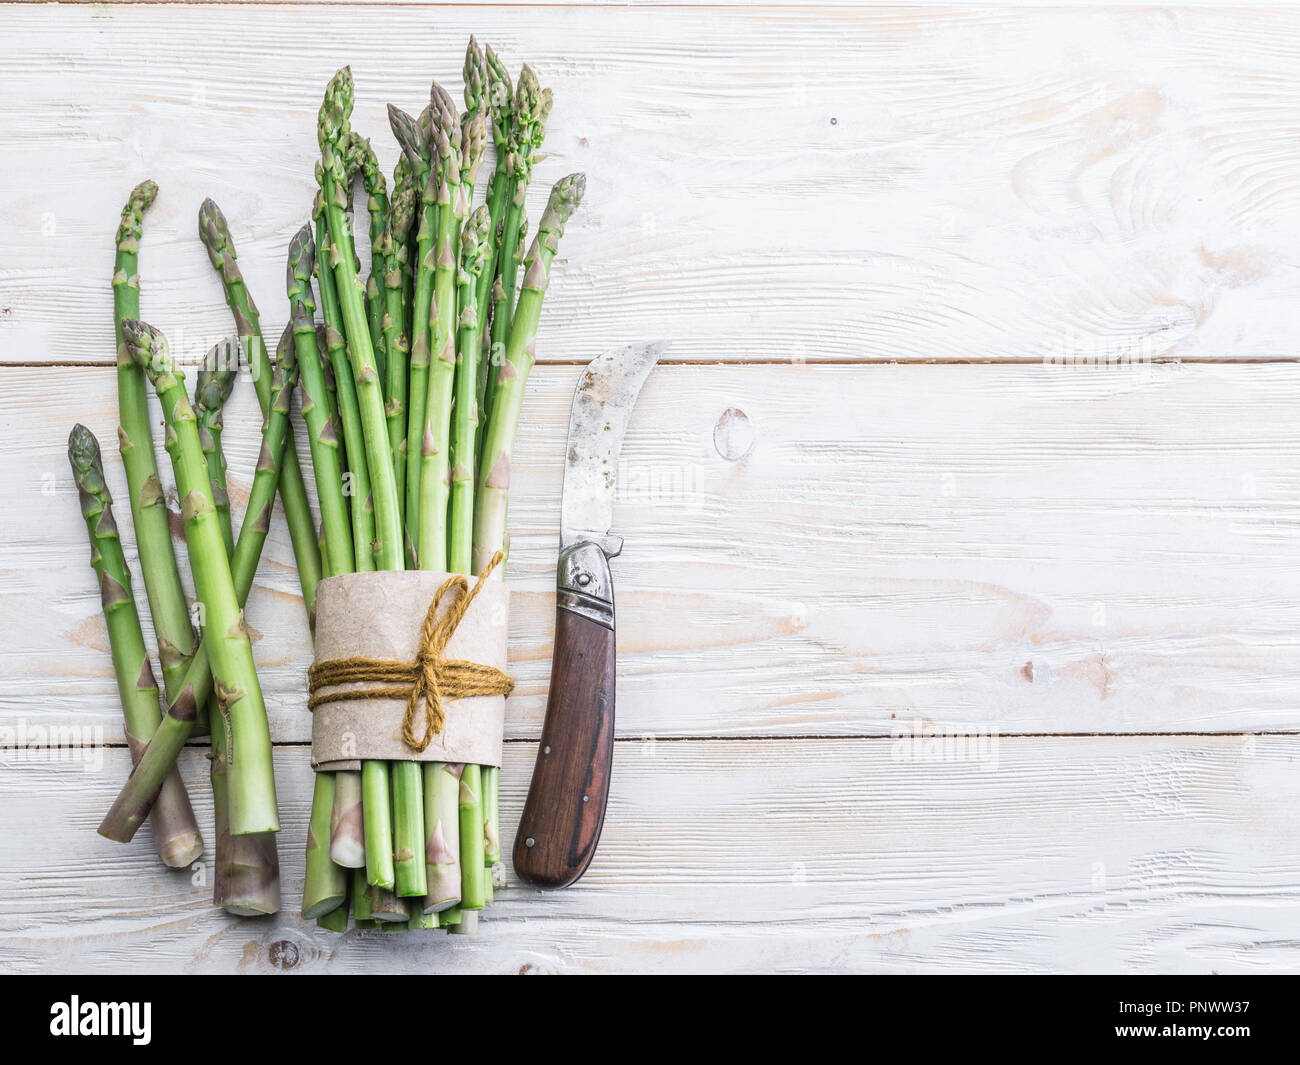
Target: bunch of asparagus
(410,391)
(408,473)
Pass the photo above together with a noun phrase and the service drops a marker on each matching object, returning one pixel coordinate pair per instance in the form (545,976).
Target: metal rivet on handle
(529,841)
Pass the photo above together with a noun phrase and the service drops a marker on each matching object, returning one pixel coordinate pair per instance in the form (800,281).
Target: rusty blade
(602,406)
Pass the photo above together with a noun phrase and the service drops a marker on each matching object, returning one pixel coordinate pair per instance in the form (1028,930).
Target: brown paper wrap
(379,615)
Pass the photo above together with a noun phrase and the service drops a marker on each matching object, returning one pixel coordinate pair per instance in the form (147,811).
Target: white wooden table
(879,489)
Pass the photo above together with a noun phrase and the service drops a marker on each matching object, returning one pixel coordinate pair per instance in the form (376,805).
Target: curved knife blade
(602,406)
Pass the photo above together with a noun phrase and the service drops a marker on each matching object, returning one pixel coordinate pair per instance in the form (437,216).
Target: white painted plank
(1136,854)
(765,184)
(1025,549)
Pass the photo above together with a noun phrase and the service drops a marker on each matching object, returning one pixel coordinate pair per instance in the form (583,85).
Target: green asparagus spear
(332,125)
(471,839)
(494,470)
(243,711)
(347,829)
(362,508)
(215,234)
(325,886)
(394,248)
(528,126)
(246,877)
(431,544)
(175,832)
(475,240)
(142,787)
(442,834)
(162,581)
(414,141)
(212,387)
(321,430)
(491,825)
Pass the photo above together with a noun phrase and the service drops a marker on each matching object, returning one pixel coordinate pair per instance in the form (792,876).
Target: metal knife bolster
(584,584)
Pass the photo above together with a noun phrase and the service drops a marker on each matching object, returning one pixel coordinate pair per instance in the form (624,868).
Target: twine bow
(430,679)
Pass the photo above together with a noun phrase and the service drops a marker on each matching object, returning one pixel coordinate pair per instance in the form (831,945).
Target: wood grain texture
(1121,854)
(797,182)
(1028,549)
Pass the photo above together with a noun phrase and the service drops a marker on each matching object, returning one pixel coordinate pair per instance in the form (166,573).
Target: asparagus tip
(83,448)
(146,345)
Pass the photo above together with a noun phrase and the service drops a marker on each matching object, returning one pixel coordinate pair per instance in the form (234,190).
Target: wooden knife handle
(565,809)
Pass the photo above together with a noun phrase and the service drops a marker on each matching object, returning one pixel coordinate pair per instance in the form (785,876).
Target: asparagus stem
(491,828)
(142,787)
(442,838)
(475,240)
(332,125)
(347,829)
(360,891)
(321,431)
(394,248)
(212,387)
(361,156)
(431,542)
(408,830)
(501,107)
(336,920)
(246,879)
(413,138)
(388,907)
(325,886)
(507,400)
(471,838)
(243,711)
(378,823)
(175,831)
(363,510)
(528,126)
(215,234)
(162,580)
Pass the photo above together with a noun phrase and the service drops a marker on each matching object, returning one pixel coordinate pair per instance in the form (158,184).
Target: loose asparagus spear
(494,471)
(162,581)
(362,509)
(246,881)
(215,234)
(475,240)
(321,432)
(360,156)
(332,126)
(175,832)
(212,387)
(252,780)
(137,795)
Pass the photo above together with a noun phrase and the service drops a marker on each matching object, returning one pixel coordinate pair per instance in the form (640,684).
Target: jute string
(429,680)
